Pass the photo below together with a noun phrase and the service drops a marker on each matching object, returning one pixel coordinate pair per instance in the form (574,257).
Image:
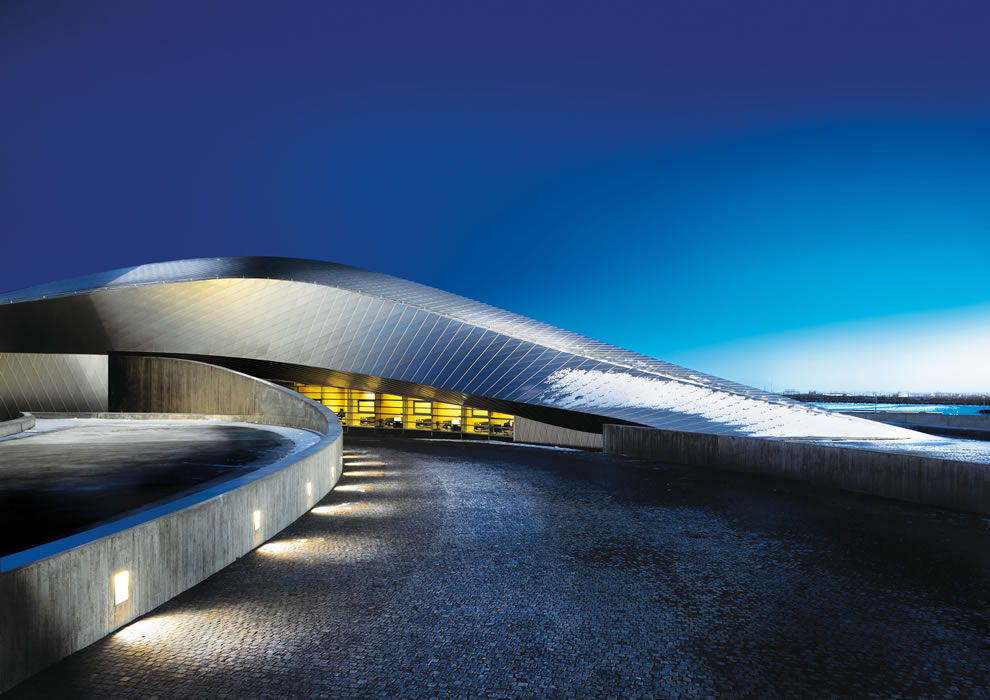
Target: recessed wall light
(121,587)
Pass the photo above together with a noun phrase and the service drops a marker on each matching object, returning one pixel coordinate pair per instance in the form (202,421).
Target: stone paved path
(440,569)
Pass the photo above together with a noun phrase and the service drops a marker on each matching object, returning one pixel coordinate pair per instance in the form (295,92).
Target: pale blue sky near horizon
(789,194)
(947,350)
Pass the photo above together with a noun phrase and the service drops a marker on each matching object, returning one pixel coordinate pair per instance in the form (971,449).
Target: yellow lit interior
(335,399)
(389,410)
(476,420)
(365,409)
(502,424)
(447,416)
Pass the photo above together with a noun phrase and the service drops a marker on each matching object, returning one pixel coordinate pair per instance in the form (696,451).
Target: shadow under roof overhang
(287,372)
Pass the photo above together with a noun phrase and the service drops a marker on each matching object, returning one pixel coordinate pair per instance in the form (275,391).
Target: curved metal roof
(356,322)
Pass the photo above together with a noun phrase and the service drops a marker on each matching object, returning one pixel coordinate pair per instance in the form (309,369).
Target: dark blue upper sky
(680,178)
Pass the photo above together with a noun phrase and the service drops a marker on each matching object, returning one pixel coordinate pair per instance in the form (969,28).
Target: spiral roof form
(316,321)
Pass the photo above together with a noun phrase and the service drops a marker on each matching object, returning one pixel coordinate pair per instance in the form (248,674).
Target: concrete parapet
(926,480)
(64,600)
(16,425)
(148,384)
(537,433)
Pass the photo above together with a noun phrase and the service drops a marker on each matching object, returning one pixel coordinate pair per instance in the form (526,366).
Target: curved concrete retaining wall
(146,384)
(537,433)
(16,425)
(938,482)
(60,597)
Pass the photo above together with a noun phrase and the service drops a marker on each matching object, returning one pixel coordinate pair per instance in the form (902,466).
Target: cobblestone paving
(440,569)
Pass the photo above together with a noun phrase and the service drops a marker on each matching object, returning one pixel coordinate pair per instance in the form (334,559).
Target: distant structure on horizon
(901,397)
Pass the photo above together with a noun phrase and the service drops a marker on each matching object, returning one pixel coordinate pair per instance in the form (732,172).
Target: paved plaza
(439,569)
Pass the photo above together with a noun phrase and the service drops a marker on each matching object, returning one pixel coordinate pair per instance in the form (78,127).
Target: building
(382,352)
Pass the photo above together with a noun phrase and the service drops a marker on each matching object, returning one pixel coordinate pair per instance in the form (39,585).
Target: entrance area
(366,409)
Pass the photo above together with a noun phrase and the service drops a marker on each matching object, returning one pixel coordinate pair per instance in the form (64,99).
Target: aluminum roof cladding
(377,332)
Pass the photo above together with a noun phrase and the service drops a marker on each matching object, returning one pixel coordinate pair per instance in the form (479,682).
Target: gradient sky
(788,194)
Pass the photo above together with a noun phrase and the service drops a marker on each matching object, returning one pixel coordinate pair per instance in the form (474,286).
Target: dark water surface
(57,483)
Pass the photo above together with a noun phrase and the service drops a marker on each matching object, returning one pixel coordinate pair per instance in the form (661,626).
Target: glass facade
(365,409)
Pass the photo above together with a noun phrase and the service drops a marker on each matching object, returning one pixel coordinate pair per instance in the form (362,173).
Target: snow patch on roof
(592,391)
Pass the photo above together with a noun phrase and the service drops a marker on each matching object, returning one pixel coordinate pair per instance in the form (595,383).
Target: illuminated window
(373,410)
(447,416)
(121,584)
(336,400)
(390,410)
(477,421)
(502,424)
(310,391)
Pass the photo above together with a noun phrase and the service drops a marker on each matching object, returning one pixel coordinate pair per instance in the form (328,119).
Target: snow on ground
(957,449)
(591,391)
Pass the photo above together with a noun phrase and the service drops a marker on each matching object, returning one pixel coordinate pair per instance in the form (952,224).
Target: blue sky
(789,194)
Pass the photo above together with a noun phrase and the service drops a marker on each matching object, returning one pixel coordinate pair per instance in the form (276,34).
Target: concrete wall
(16,425)
(63,602)
(51,382)
(537,433)
(144,384)
(938,482)
(140,384)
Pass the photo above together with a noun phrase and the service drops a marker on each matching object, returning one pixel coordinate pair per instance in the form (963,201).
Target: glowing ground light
(121,587)
(367,463)
(282,546)
(257,520)
(142,629)
(339,509)
(352,487)
(365,473)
